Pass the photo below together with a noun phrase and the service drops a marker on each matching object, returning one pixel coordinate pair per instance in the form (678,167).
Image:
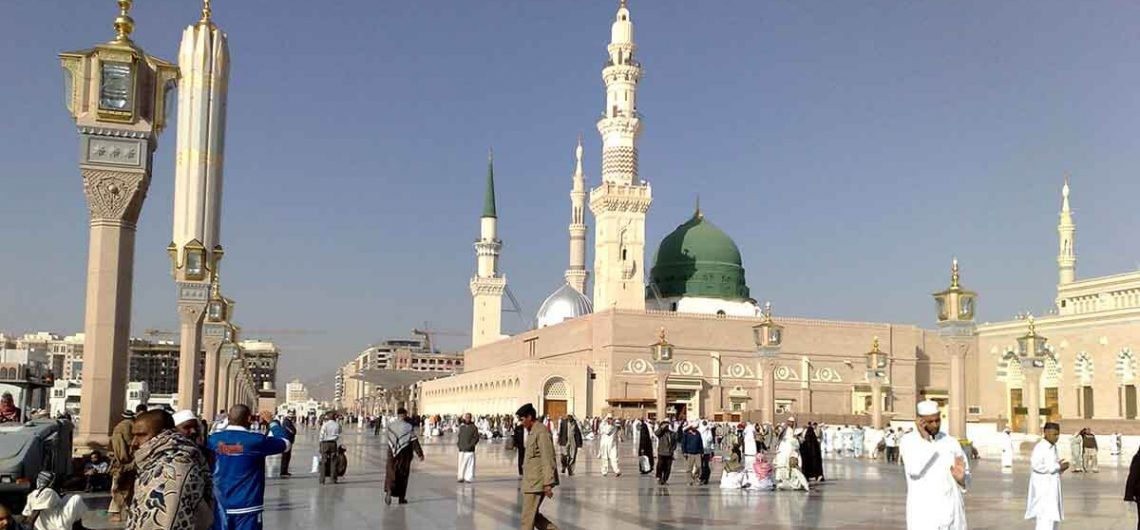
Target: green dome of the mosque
(700,260)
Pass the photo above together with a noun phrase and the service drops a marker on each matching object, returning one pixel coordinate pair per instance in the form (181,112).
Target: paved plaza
(857,495)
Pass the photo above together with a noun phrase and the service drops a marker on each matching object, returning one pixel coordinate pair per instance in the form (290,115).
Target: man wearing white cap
(608,446)
(937,474)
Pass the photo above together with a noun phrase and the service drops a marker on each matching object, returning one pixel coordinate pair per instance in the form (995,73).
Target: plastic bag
(316,464)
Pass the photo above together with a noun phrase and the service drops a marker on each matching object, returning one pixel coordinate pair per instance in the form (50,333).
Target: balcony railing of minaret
(632,62)
(618,113)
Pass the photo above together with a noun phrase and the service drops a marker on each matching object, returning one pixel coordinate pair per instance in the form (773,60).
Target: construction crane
(427,333)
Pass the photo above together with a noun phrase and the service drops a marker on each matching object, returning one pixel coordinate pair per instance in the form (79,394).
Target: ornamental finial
(206,11)
(954,274)
(124,24)
(875,345)
(661,335)
(767,311)
(1032,324)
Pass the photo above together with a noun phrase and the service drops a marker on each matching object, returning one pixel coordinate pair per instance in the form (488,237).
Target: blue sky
(850,148)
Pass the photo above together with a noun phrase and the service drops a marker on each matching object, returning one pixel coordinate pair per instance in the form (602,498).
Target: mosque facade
(590,354)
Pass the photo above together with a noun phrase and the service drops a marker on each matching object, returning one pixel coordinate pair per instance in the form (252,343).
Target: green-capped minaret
(489,195)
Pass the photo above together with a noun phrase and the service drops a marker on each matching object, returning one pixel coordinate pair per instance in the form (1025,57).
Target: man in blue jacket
(239,475)
(693,448)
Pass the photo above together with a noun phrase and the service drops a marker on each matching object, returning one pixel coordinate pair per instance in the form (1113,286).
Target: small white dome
(563,304)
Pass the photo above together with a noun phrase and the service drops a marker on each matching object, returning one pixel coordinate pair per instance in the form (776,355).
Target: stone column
(663,369)
(210,379)
(876,403)
(189,351)
(1032,398)
(805,386)
(768,392)
(957,348)
(114,200)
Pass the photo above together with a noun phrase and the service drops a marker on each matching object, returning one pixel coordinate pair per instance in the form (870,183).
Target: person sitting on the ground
(7,522)
(763,470)
(97,471)
(733,476)
(46,510)
(9,412)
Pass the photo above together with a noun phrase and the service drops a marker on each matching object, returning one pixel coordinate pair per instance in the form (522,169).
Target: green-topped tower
(488,284)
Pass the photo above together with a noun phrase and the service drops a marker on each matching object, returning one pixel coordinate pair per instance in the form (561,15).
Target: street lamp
(955,310)
(876,373)
(768,337)
(1032,353)
(662,355)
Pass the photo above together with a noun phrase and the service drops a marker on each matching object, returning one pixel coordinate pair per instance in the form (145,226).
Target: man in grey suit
(540,470)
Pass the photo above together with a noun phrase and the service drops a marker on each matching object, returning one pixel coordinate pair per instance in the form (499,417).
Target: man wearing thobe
(608,447)
(466,440)
(402,443)
(748,444)
(570,439)
(1044,501)
(937,473)
(1007,450)
(540,470)
(122,467)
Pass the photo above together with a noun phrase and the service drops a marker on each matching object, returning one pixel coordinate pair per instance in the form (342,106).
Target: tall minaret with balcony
(577,274)
(488,284)
(1067,238)
(619,204)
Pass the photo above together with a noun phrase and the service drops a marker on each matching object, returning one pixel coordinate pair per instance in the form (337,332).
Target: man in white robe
(1044,501)
(937,473)
(788,462)
(1006,450)
(749,449)
(608,446)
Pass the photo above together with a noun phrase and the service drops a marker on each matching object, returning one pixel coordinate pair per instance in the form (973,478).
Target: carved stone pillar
(114,201)
(768,391)
(190,313)
(957,348)
(213,343)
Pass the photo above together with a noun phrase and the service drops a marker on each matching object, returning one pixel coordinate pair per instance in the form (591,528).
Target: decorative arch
(1083,369)
(556,388)
(1009,370)
(1052,374)
(1126,366)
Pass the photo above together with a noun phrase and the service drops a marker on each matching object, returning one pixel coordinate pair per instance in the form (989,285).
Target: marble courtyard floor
(857,495)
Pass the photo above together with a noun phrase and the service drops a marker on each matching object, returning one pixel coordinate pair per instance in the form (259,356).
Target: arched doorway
(556,398)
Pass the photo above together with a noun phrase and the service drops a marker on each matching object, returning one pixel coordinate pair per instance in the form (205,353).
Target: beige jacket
(539,462)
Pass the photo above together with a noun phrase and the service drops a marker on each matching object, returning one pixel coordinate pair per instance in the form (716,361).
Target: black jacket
(564,428)
(1132,486)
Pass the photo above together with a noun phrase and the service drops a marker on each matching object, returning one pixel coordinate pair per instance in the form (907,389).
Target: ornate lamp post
(116,93)
(876,373)
(956,326)
(216,331)
(768,337)
(662,354)
(1032,353)
(229,354)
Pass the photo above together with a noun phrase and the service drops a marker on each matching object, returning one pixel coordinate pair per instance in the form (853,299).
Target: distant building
(262,357)
(353,393)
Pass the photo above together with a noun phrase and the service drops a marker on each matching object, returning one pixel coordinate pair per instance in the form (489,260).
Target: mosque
(591,352)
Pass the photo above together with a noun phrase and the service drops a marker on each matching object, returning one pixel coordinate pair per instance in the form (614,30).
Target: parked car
(30,447)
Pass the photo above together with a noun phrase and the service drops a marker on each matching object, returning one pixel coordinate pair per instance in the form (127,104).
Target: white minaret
(203,60)
(619,204)
(488,284)
(1067,236)
(577,274)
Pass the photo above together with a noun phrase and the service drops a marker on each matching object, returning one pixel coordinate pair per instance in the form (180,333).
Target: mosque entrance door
(1052,405)
(555,408)
(1130,401)
(1017,410)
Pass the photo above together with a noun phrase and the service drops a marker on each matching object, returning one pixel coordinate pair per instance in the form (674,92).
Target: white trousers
(609,460)
(1046,524)
(466,466)
(750,469)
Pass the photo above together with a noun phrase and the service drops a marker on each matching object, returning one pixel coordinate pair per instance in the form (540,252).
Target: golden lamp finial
(954,274)
(661,335)
(215,286)
(206,12)
(875,345)
(1032,325)
(124,24)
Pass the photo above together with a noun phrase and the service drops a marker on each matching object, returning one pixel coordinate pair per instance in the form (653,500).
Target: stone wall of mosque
(1094,374)
(604,364)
